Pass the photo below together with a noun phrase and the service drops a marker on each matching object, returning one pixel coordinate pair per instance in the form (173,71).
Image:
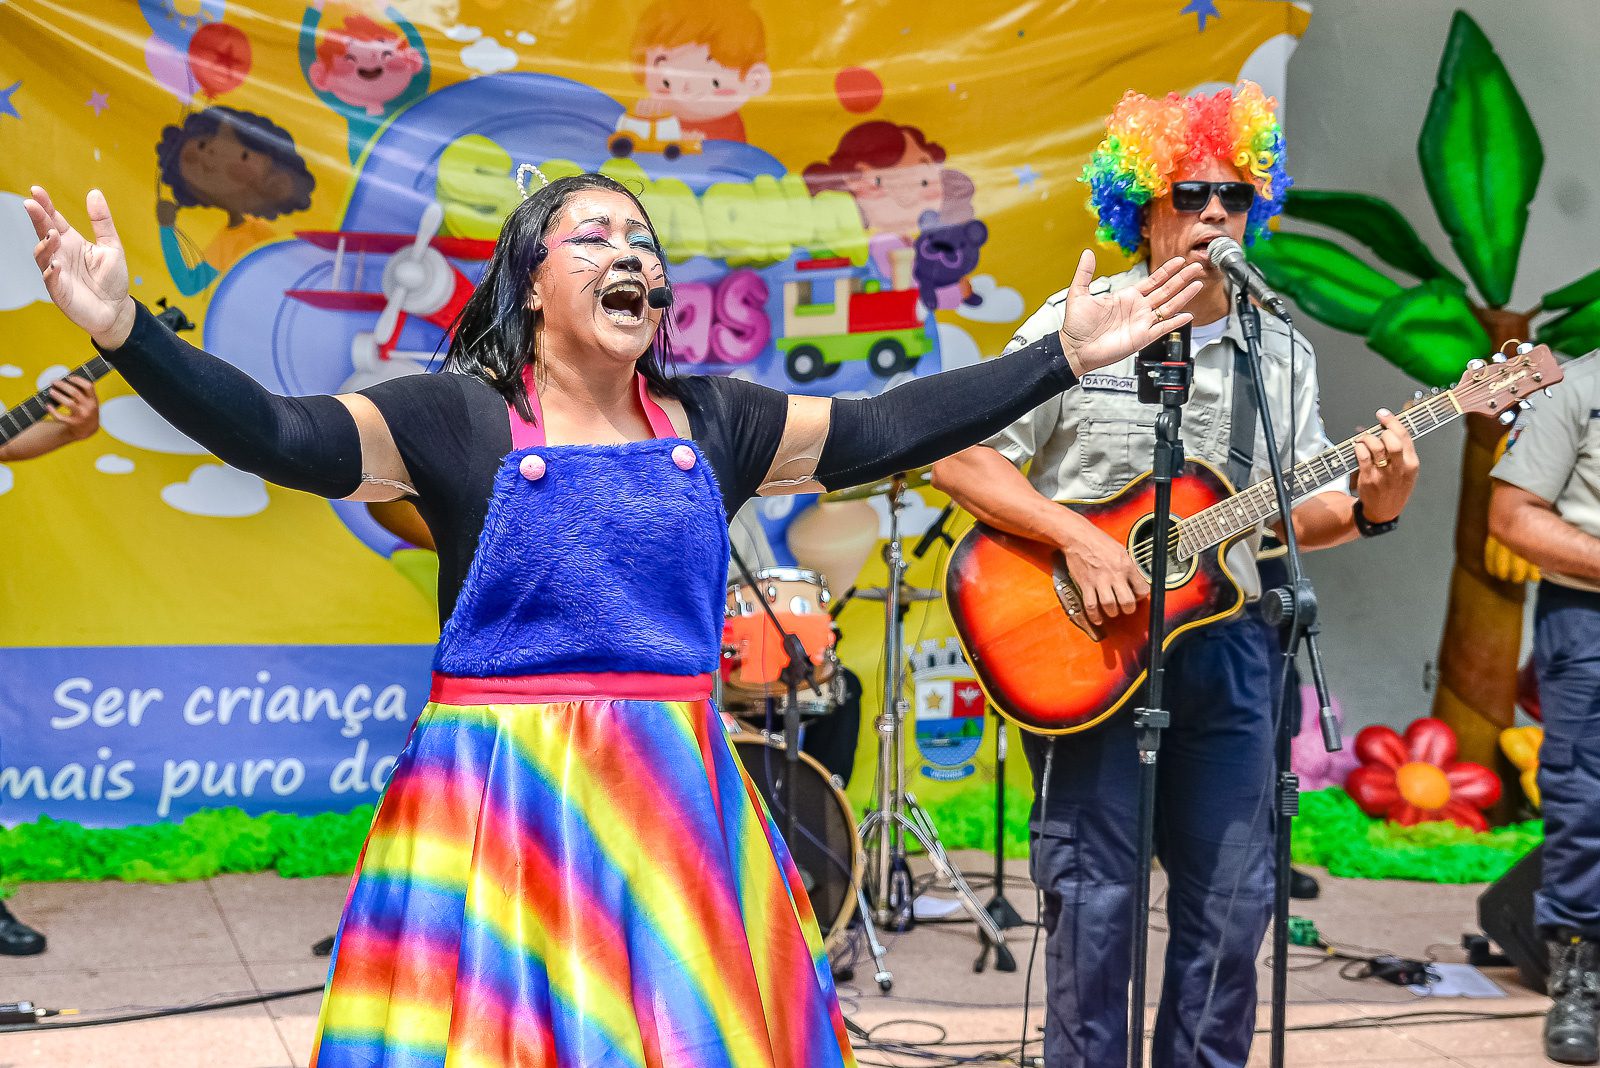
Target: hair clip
(522,178)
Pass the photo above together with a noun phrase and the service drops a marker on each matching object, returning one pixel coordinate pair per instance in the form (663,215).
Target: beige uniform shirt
(1555,452)
(1092,440)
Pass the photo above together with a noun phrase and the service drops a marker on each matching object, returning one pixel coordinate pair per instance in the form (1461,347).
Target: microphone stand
(1171,379)
(999,909)
(1298,604)
(798,670)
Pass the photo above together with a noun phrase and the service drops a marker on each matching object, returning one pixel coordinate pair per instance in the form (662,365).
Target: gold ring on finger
(1380,463)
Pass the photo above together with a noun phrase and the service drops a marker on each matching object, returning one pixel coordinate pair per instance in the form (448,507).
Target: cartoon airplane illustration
(418,279)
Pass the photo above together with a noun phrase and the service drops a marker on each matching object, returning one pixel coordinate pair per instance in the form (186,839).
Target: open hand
(88,280)
(1102,328)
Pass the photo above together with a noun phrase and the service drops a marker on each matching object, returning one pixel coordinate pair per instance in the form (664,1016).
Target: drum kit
(848,870)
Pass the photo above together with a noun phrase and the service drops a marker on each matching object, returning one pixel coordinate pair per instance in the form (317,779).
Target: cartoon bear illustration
(945,256)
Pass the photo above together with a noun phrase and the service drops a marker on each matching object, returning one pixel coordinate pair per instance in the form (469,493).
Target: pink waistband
(588,686)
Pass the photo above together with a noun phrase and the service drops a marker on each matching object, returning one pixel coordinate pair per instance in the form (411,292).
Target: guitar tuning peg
(1508,416)
(1434,392)
(1547,392)
(1418,395)
(1525,347)
(1499,357)
(1476,365)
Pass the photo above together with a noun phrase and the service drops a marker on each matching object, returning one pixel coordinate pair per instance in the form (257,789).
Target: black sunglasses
(1192,197)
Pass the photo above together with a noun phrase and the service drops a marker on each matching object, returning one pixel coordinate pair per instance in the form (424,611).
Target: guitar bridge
(1072,599)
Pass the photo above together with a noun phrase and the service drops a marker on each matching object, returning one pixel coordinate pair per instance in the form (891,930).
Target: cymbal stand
(895,812)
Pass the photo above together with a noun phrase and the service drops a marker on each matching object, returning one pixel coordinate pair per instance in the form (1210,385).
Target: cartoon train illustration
(832,315)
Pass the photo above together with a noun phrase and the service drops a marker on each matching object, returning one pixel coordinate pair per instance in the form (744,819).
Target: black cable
(1038,894)
(175,1010)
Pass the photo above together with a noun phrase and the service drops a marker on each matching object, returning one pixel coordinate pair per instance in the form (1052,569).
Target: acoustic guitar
(37,406)
(1055,673)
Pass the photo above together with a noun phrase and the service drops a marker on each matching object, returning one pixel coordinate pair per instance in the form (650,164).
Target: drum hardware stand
(798,670)
(895,810)
(1169,375)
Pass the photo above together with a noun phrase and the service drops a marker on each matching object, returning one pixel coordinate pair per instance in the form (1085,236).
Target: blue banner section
(117,736)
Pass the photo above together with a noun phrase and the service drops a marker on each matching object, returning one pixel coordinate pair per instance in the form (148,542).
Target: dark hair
(493,337)
(877,144)
(880,144)
(257,133)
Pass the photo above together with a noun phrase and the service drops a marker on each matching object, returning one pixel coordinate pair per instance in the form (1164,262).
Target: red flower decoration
(1415,779)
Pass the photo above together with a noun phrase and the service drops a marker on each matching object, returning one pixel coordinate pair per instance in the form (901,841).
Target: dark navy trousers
(1566,655)
(1213,838)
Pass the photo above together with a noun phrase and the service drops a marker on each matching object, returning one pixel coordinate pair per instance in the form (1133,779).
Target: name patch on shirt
(1110,383)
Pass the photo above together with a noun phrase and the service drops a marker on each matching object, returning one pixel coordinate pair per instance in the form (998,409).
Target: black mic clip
(936,532)
(660,297)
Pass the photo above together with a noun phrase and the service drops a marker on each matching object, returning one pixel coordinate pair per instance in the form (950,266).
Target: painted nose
(628,263)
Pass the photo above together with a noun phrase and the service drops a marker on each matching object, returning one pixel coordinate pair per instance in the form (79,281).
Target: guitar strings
(1143,552)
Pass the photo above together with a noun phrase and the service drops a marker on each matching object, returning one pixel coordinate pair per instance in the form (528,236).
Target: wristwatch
(1368,528)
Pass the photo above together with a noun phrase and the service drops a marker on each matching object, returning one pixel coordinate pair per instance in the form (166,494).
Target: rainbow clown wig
(1147,139)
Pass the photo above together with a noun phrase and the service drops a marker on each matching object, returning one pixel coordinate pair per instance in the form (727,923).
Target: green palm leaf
(1372,221)
(1481,159)
(1572,294)
(1330,284)
(1429,332)
(1574,333)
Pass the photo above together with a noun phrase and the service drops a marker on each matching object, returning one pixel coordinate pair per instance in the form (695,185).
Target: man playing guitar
(1176,157)
(74,416)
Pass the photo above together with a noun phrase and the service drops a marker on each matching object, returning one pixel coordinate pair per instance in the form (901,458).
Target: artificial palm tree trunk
(1478,653)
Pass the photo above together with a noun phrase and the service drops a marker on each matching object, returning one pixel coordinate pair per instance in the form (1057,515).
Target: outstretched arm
(834,443)
(331,446)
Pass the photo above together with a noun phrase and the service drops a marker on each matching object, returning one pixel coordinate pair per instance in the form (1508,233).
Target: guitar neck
(37,406)
(1259,503)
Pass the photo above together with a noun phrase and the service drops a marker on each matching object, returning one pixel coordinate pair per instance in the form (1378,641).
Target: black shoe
(17,939)
(1302,886)
(1572,1026)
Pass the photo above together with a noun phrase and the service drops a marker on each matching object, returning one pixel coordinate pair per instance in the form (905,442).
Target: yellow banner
(849,194)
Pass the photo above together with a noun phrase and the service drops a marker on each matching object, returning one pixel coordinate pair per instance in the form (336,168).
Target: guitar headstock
(1500,386)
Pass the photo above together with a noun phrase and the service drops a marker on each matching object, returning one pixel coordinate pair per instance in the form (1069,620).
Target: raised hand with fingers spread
(1102,328)
(88,280)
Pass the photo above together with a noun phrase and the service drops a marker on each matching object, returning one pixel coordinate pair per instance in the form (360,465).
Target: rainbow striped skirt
(584,882)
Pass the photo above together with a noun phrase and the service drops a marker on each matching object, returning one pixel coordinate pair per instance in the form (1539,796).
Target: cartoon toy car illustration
(664,135)
(831,315)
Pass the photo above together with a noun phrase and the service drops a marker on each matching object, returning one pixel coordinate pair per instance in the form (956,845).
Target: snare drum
(753,657)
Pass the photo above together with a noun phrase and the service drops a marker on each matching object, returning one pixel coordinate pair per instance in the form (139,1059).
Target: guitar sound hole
(1141,545)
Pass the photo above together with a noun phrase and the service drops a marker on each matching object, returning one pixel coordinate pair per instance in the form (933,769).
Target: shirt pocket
(1115,451)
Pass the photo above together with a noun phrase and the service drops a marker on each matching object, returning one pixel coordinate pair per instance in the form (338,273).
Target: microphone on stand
(1227,257)
(935,532)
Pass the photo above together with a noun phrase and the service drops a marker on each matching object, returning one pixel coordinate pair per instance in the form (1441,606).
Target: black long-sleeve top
(453,430)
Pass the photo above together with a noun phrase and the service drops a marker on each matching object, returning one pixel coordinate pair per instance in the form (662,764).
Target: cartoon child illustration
(364,70)
(242,163)
(699,63)
(902,188)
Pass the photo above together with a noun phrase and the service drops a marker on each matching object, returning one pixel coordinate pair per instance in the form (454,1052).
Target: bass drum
(828,849)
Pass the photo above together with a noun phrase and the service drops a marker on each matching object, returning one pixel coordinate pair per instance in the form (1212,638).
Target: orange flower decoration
(1416,779)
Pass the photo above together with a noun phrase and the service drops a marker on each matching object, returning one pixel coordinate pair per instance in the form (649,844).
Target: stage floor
(117,947)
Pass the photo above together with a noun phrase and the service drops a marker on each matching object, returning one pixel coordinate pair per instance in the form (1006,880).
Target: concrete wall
(1358,88)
